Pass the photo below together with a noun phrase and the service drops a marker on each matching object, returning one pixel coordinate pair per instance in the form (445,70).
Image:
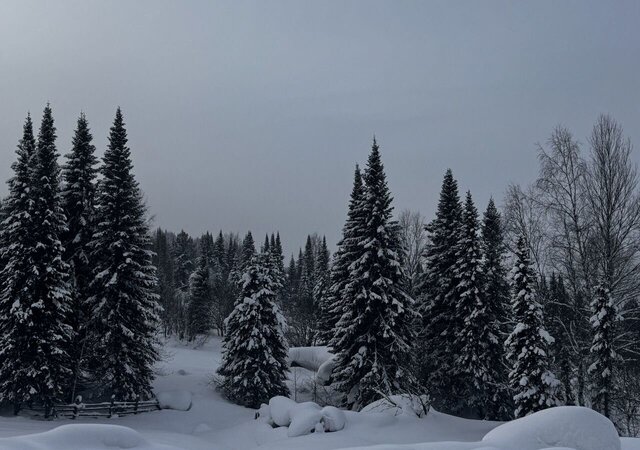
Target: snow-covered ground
(213,423)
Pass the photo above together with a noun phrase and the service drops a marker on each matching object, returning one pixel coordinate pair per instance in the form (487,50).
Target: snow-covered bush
(178,400)
(397,405)
(317,359)
(301,418)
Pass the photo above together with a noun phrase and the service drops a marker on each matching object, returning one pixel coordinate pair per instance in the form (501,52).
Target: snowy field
(212,423)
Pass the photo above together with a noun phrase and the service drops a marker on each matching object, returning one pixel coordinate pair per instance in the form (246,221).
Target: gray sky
(251,114)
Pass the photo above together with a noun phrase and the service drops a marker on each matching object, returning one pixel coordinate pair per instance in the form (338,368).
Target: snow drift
(82,437)
(560,428)
(573,427)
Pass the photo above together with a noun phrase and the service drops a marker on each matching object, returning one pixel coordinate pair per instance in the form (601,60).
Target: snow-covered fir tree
(124,301)
(373,344)
(440,324)
(78,200)
(36,332)
(331,309)
(254,362)
(496,291)
(495,273)
(533,385)
(478,345)
(199,310)
(603,352)
(17,261)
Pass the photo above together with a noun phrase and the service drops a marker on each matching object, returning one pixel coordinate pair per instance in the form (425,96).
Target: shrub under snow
(400,405)
(317,359)
(178,400)
(301,418)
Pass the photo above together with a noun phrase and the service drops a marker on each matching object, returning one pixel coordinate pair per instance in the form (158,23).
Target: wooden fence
(95,410)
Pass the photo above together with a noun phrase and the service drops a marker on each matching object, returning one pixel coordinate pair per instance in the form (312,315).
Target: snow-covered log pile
(301,418)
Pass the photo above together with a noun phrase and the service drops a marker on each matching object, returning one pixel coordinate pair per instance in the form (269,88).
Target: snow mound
(279,410)
(301,418)
(178,400)
(81,437)
(400,405)
(317,359)
(572,427)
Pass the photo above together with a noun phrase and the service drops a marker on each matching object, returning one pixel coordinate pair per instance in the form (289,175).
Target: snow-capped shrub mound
(317,359)
(398,405)
(179,400)
(301,418)
(310,358)
(81,437)
(564,426)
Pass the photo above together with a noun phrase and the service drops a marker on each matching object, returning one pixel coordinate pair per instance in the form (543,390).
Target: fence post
(113,399)
(76,407)
(135,407)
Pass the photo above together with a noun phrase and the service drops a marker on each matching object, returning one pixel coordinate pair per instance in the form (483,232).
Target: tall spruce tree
(78,200)
(17,257)
(603,352)
(495,273)
(496,289)
(124,302)
(533,385)
(478,344)
(337,297)
(254,360)
(440,325)
(37,333)
(373,347)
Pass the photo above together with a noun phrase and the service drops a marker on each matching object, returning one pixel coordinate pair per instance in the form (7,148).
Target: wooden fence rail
(102,409)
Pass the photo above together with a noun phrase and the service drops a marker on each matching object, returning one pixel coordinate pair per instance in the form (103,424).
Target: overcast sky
(251,114)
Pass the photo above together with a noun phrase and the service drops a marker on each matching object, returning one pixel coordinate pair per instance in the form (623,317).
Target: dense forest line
(488,317)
